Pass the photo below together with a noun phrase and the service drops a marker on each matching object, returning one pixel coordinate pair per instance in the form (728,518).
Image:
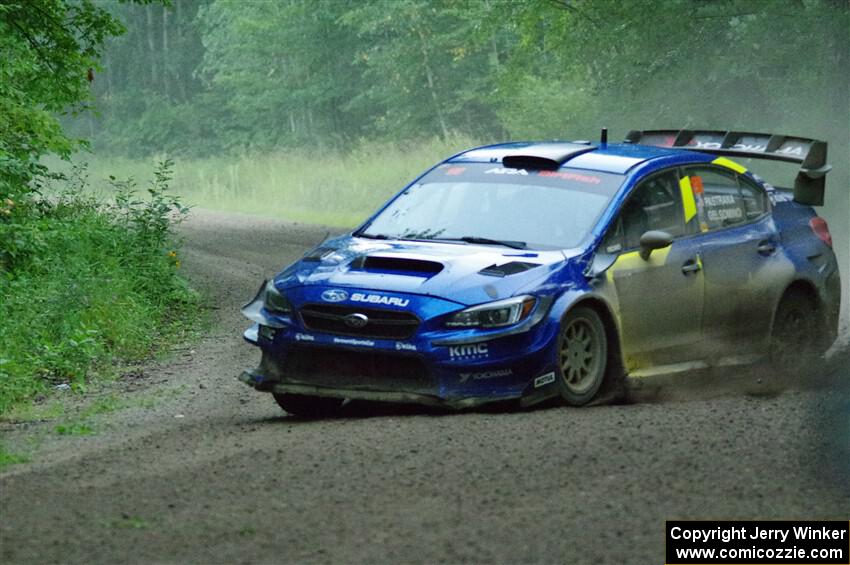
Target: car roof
(617,158)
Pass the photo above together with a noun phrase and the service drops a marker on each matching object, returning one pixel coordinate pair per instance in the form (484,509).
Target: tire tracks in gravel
(234,480)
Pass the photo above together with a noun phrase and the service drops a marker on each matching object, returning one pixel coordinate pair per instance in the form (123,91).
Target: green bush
(83,283)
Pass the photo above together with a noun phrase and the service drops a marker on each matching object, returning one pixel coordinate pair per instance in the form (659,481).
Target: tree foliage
(48,48)
(81,282)
(263,75)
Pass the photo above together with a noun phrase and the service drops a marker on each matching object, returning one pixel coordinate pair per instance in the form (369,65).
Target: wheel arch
(615,366)
(808,289)
(801,286)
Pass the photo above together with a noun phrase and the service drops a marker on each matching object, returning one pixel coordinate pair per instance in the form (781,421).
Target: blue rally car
(537,270)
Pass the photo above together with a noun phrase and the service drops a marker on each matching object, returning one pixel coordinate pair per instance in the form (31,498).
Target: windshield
(485,203)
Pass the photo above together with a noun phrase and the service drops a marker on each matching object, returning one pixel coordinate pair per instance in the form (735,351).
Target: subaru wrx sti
(536,270)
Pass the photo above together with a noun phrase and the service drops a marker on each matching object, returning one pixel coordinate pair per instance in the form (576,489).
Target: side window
(654,205)
(755,199)
(727,199)
(613,242)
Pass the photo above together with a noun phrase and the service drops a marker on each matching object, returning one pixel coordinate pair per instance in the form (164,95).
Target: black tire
(796,341)
(582,356)
(308,406)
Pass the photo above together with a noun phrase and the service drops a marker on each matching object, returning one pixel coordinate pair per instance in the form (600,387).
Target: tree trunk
(108,71)
(151,46)
(166,78)
(429,76)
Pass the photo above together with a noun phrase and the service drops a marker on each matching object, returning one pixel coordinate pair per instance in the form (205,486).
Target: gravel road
(210,471)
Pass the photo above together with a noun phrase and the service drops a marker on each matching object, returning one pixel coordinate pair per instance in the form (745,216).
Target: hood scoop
(396,265)
(512,268)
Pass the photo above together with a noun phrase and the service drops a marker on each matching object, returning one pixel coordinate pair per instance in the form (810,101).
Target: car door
(742,260)
(660,299)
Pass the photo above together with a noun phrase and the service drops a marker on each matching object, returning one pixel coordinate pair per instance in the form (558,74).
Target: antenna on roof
(603,142)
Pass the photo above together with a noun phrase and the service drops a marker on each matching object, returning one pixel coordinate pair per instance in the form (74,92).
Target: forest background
(319,110)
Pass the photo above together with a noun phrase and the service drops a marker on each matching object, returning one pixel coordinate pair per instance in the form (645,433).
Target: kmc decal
(467,351)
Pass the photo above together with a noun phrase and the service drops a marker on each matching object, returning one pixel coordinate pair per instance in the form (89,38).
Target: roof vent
(545,156)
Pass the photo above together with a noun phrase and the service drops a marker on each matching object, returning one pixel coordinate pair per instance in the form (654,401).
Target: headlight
(274,301)
(494,314)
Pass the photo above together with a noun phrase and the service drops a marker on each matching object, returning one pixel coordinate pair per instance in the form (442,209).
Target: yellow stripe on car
(730,164)
(688,202)
(632,261)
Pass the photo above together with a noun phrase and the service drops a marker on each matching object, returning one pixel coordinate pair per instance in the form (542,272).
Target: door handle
(691,266)
(766,248)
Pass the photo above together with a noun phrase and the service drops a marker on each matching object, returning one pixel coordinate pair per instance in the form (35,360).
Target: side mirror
(654,239)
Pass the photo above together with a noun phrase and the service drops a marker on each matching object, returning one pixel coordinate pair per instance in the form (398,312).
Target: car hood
(463,273)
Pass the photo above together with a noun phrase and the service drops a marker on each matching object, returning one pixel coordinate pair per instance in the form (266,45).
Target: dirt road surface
(213,472)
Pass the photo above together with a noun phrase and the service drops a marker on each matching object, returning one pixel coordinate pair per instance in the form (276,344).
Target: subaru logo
(356,320)
(334,295)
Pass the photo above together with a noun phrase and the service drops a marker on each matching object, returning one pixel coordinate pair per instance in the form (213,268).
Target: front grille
(382,324)
(338,368)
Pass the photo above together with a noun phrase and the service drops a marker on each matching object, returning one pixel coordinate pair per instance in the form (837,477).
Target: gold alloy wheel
(582,355)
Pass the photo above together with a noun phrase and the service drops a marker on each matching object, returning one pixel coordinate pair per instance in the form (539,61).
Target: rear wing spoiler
(810,154)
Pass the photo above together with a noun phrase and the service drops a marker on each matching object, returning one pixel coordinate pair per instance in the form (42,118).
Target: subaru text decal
(378,299)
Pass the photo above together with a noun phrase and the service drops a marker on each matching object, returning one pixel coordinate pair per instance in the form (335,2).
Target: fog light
(267,332)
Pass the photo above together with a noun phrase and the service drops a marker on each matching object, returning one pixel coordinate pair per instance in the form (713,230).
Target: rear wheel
(308,406)
(796,344)
(582,355)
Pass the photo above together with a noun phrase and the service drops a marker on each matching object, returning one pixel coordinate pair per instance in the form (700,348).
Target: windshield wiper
(465,239)
(487,241)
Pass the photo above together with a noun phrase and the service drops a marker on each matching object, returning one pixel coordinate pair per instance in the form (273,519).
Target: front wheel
(582,356)
(308,406)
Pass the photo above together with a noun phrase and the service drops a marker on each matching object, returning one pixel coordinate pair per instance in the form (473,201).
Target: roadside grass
(127,522)
(74,429)
(74,415)
(8,458)
(51,408)
(57,407)
(86,284)
(312,186)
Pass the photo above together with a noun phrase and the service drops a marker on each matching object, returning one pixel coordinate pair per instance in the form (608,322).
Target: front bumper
(430,364)
(412,371)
